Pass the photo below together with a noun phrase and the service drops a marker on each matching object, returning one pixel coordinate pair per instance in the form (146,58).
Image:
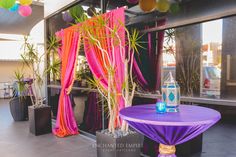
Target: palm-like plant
(32,59)
(52,51)
(21,87)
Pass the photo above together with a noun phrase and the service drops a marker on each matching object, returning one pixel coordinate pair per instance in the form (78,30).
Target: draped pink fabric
(116,55)
(66,124)
(71,37)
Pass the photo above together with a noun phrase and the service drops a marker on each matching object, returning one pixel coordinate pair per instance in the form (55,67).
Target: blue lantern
(14,8)
(161,107)
(171,94)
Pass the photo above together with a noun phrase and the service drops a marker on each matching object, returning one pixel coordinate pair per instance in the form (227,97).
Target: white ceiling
(13,23)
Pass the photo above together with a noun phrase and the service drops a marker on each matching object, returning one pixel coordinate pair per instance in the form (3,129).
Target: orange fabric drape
(66,124)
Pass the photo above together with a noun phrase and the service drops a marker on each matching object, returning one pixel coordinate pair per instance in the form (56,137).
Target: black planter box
(40,120)
(19,107)
(127,146)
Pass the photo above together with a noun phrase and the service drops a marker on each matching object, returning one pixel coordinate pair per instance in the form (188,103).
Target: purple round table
(170,129)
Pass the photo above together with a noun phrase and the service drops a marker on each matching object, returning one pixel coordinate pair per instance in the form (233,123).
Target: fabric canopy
(71,38)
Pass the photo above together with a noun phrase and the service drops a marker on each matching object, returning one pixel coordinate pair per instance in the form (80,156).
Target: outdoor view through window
(202,57)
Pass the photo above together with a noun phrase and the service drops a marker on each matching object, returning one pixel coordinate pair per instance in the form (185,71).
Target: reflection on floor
(16,141)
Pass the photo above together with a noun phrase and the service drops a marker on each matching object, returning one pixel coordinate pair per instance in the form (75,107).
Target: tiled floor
(16,141)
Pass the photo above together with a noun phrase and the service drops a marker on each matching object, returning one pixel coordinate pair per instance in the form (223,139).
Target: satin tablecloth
(170,129)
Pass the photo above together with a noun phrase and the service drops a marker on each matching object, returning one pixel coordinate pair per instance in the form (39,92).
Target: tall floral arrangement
(114,46)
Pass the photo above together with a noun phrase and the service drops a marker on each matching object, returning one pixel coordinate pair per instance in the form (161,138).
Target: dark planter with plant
(19,108)
(39,112)
(20,101)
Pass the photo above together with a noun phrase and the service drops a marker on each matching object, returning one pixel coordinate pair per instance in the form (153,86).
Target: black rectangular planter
(127,146)
(40,120)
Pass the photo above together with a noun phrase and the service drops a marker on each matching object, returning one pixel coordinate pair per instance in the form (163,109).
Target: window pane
(202,58)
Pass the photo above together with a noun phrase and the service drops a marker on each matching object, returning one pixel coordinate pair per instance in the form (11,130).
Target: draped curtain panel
(147,68)
(66,124)
(92,120)
(116,55)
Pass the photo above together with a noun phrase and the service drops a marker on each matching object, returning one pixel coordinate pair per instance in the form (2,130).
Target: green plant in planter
(20,101)
(20,84)
(33,60)
(39,113)
(54,63)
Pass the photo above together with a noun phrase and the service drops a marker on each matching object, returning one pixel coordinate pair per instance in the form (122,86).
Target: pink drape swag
(115,20)
(66,124)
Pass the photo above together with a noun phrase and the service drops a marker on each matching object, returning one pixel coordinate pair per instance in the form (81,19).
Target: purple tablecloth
(170,128)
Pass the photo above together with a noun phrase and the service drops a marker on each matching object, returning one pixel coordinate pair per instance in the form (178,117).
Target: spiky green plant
(32,59)
(54,63)
(21,87)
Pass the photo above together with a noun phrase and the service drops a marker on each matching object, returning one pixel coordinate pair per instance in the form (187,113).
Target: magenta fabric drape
(93,54)
(154,53)
(66,124)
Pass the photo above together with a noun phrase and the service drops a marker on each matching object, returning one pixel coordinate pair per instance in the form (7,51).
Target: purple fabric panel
(141,80)
(170,128)
(93,119)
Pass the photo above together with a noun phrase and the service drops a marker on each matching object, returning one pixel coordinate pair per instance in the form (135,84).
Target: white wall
(51,6)
(7,69)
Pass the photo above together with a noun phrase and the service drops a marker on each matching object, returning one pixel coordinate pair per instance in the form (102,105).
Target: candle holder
(161,107)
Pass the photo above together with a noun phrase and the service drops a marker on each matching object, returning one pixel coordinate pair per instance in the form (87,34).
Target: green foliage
(135,38)
(53,44)
(76,11)
(19,76)
(53,68)
(32,59)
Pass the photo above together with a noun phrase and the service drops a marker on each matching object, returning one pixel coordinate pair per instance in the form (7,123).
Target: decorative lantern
(25,2)
(7,4)
(163,6)
(76,11)
(171,94)
(15,7)
(91,11)
(66,17)
(147,5)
